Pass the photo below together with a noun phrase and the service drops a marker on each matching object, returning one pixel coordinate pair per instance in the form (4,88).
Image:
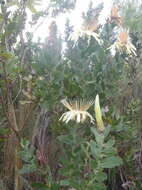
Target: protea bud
(98,114)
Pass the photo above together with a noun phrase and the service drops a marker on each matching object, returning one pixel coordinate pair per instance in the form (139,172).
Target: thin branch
(20,89)
(27,116)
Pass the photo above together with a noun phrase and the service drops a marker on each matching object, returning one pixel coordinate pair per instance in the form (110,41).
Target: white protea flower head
(98,114)
(124,43)
(81,32)
(78,111)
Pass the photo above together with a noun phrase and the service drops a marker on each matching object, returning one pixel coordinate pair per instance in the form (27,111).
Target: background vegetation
(39,152)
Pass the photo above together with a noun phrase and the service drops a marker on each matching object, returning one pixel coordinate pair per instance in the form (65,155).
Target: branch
(7,117)
(20,89)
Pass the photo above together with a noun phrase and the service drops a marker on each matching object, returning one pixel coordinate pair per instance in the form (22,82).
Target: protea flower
(123,43)
(81,32)
(78,111)
(114,16)
(93,25)
(98,114)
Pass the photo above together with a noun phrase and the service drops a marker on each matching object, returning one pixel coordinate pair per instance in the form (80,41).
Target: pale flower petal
(70,117)
(66,104)
(78,119)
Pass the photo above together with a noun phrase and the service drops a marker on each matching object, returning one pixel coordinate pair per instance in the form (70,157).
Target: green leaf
(28,168)
(110,143)
(107,131)
(108,148)
(65,139)
(64,182)
(111,162)
(99,137)
(95,150)
(101,176)
(85,150)
(39,185)
(46,187)
(99,186)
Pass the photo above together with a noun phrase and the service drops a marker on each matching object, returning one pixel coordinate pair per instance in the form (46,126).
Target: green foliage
(88,159)
(132,15)
(46,187)
(3,131)
(35,75)
(27,156)
(61,6)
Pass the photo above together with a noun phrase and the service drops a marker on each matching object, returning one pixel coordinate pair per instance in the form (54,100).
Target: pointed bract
(98,114)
